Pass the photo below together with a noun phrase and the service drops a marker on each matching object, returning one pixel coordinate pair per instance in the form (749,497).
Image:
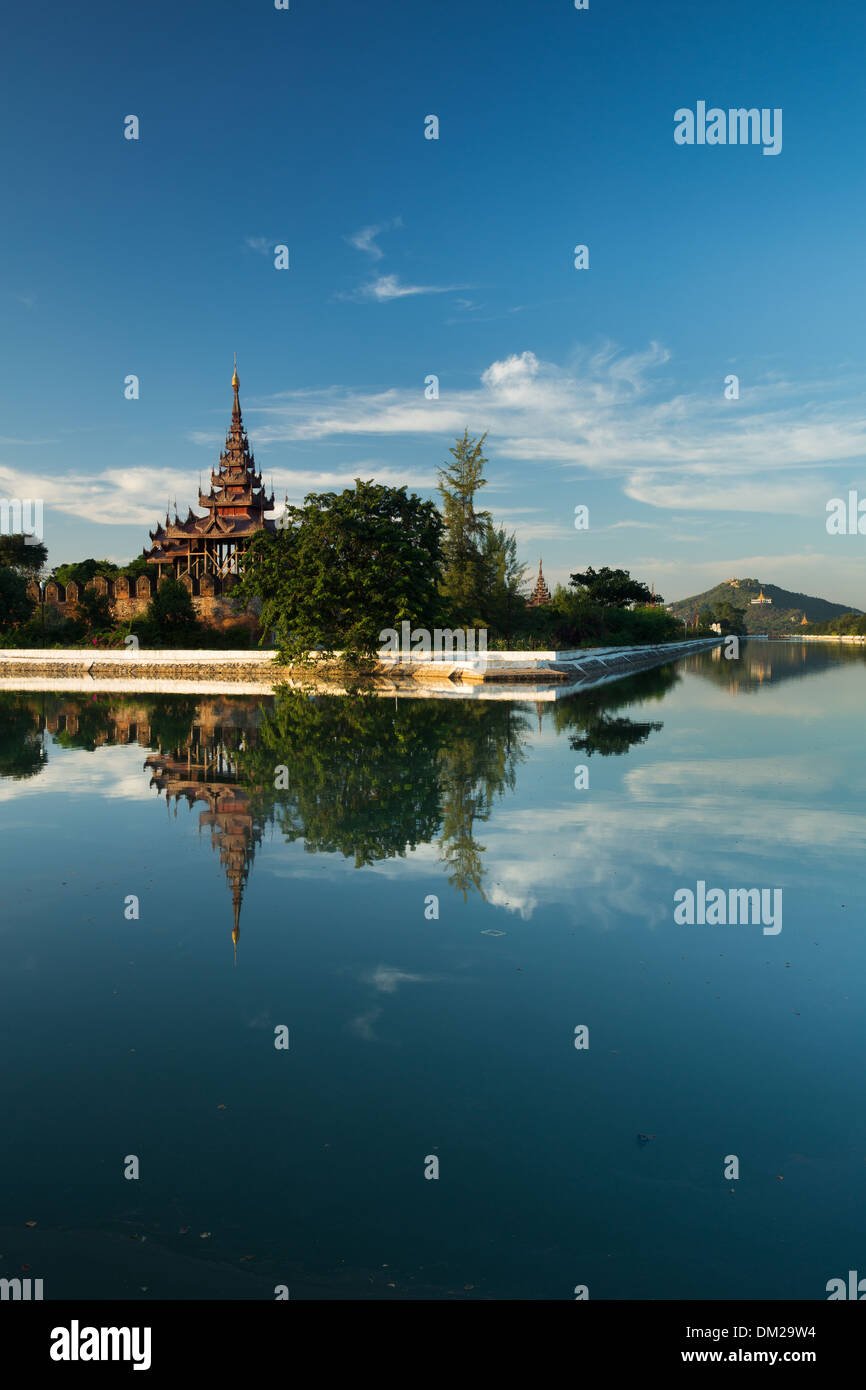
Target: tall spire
(236,406)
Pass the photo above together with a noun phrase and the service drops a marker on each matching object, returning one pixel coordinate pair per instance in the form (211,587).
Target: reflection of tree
(171,720)
(596,731)
(606,736)
(21,752)
(476,765)
(90,726)
(371,780)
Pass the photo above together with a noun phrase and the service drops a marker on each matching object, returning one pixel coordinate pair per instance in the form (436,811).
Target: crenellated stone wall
(211,599)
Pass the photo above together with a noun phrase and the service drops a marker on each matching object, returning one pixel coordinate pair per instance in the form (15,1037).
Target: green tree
(731,619)
(15,605)
(503,601)
(82,571)
(136,567)
(343,568)
(611,588)
(17,554)
(462,586)
(171,610)
(93,610)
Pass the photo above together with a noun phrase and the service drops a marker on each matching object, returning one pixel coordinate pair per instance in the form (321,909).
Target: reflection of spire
(204,772)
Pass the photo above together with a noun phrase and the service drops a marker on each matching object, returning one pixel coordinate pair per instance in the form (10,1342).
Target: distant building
(541,593)
(762,598)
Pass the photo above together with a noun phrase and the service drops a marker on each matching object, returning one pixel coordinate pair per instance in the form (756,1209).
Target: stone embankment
(573,668)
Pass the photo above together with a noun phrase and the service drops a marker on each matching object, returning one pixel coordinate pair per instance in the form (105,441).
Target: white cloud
(389,287)
(365,239)
(607,413)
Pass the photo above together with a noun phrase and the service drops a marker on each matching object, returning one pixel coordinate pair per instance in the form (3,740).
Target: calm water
(412,1036)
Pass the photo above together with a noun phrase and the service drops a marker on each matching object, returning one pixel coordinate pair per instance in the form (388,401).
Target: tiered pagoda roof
(541,593)
(236,503)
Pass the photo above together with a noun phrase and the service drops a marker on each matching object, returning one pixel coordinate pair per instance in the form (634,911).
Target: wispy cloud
(262,245)
(365,239)
(388,287)
(138,496)
(612,414)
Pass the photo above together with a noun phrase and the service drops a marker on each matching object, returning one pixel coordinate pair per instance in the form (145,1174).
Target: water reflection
(765,663)
(356,775)
(353,775)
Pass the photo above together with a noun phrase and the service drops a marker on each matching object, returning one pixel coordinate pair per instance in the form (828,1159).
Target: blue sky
(602,387)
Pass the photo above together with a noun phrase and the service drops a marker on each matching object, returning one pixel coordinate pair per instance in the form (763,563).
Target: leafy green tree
(136,567)
(171,610)
(15,605)
(18,555)
(93,610)
(731,619)
(503,604)
(462,586)
(343,568)
(82,571)
(611,588)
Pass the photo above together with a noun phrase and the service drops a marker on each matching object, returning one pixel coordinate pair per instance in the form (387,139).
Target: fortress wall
(130,598)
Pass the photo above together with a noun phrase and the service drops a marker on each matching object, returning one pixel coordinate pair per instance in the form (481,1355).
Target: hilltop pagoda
(213,545)
(541,593)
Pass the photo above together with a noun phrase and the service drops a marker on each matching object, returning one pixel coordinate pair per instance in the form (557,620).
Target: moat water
(185,877)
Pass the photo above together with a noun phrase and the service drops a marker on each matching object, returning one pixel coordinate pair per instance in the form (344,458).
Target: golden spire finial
(235,381)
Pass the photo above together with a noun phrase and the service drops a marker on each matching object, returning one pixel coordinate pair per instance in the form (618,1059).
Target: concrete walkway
(490,675)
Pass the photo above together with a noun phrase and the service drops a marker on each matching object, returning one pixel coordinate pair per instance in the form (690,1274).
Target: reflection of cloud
(731,816)
(738,772)
(511,899)
(387,979)
(117,772)
(362,1025)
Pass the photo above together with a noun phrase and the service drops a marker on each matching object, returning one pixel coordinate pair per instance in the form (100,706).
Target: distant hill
(784,613)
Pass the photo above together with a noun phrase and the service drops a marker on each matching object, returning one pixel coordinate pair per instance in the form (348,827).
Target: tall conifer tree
(463,570)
